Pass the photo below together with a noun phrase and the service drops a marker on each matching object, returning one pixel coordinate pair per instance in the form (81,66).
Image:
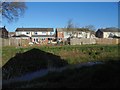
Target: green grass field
(72,54)
(18,61)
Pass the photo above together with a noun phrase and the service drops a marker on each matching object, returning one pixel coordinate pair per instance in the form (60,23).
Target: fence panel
(107,41)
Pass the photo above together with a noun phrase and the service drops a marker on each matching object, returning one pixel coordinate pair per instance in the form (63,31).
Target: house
(35,35)
(108,33)
(92,34)
(11,34)
(64,33)
(60,34)
(3,32)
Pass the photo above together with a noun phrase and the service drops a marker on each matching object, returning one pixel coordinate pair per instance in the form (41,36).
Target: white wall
(23,33)
(84,35)
(80,34)
(33,33)
(67,34)
(107,34)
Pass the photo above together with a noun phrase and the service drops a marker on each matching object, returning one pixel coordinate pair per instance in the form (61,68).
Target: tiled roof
(43,36)
(35,29)
(109,30)
(73,29)
(11,32)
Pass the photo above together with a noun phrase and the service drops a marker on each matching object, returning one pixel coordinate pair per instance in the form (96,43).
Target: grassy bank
(72,54)
(19,61)
(85,53)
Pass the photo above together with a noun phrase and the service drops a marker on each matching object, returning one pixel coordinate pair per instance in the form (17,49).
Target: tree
(70,24)
(72,29)
(12,10)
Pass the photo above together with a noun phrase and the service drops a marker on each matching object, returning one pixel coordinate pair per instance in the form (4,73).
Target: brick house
(3,32)
(64,33)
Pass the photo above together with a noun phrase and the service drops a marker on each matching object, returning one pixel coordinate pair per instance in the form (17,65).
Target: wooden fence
(13,42)
(77,41)
(107,41)
(24,42)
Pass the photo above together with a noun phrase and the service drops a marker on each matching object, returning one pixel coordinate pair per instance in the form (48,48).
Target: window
(60,38)
(27,32)
(43,33)
(35,33)
(49,38)
(36,39)
(51,33)
(80,32)
(43,38)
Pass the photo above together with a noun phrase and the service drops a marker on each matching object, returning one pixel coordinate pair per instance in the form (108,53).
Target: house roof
(43,36)
(12,32)
(109,30)
(93,32)
(3,28)
(71,29)
(34,29)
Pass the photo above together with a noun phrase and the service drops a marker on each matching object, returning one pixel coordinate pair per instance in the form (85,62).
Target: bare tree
(72,28)
(12,10)
(70,24)
(69,27)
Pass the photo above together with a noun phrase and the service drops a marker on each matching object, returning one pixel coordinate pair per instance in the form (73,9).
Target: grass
(9,52)
(73,54)
(84,53)
(106,75)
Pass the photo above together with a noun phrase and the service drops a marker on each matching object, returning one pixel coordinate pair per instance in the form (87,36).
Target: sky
(57,14)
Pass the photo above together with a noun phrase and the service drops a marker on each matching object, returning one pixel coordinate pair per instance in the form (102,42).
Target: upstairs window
(43,38)
(35,33)
(27,32)
(80,32)
(51,33)
(43,33)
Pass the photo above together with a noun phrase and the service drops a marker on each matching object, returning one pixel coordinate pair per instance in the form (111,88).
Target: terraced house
(35,35)
(64,33)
